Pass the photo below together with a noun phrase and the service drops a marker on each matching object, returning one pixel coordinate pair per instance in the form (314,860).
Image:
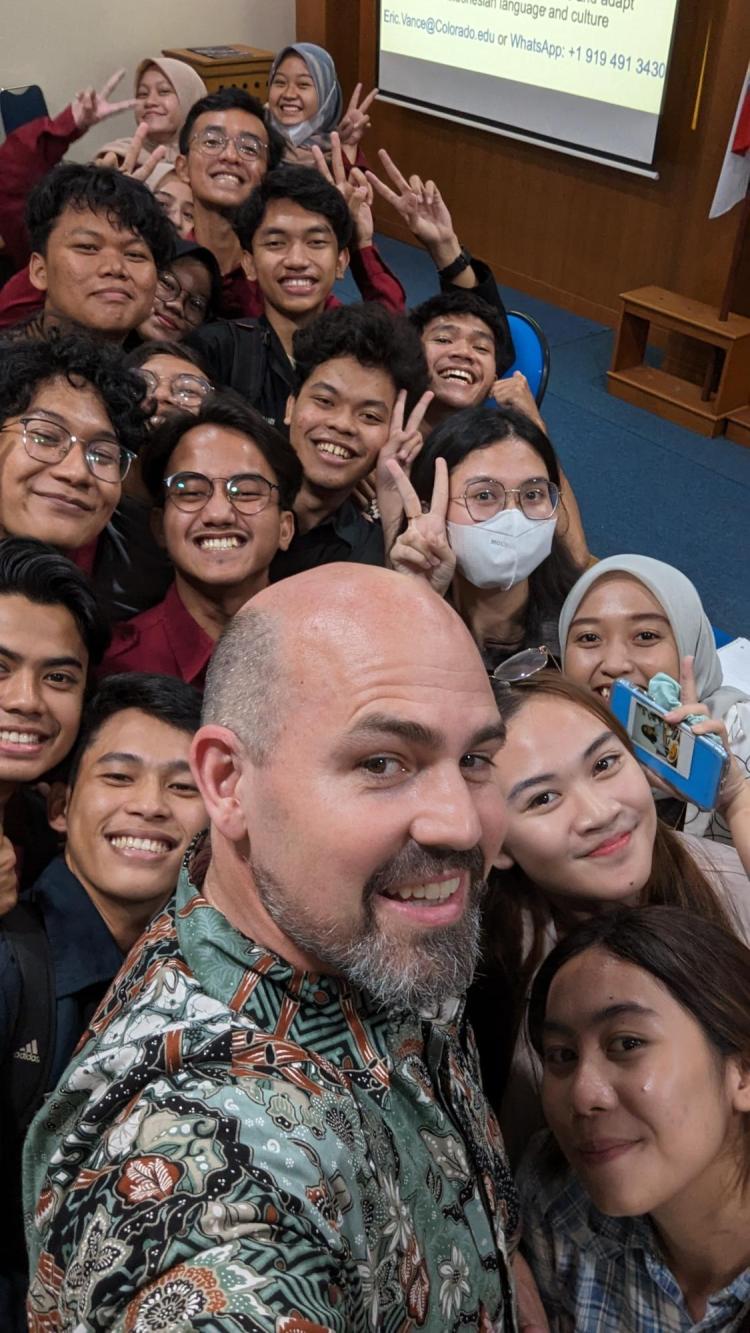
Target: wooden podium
(231,66)
(726,391)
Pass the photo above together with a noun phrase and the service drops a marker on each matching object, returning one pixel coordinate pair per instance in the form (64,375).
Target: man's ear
(38,272)
(342,263)
(181,168)
(248,266)
(290,402)
(218,760)
(58,797)
(156,521)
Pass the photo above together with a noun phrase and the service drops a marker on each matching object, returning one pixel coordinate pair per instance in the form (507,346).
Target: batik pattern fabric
(599,1274)
(238,1145)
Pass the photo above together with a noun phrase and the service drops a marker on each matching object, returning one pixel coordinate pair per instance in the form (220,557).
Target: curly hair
(369,334)
(126,203)
(301,185)
(27,364)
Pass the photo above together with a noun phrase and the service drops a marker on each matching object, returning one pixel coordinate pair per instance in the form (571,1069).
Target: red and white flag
(735,172)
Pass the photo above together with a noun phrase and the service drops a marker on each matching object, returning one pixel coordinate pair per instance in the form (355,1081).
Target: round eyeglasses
(191,491)
(213,142)
(170,291)
(521,666)
(187,390)
(49,442)
(484,498)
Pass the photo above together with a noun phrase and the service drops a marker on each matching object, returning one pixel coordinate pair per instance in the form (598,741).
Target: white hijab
(684,610)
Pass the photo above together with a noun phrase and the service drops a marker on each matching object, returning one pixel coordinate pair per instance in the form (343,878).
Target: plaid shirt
(599,1274)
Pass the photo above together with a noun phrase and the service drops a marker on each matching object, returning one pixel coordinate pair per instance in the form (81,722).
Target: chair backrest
(532,352)
(20,105)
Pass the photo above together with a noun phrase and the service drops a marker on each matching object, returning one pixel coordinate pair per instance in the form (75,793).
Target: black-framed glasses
(484,498)
(170,291)
(213,142)
(248,492)
(49,442)
(521,666)
(187,390)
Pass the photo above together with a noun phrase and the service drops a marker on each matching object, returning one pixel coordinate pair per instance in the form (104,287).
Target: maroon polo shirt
(165,639)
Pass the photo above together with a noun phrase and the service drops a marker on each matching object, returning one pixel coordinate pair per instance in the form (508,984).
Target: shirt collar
(191,646)
(83,950)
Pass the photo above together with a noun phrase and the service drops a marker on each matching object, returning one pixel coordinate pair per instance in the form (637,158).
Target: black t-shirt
(346,535)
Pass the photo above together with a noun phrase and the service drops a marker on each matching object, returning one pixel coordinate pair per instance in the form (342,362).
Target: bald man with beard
(277,1122)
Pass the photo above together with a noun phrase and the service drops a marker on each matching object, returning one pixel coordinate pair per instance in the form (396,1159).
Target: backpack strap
(31,1049)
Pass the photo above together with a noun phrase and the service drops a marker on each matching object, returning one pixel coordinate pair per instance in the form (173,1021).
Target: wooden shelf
(248,67)
(738,427)
(726,389)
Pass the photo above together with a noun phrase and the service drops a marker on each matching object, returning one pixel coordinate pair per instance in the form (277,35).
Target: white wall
(64,45)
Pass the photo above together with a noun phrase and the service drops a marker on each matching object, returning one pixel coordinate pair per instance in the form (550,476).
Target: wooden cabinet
(232,65)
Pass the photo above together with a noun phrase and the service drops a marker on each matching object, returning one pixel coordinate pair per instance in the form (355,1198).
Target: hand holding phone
(691,762)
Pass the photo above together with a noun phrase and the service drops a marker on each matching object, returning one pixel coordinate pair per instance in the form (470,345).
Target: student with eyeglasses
(482,520)
(188,292)
(223,483)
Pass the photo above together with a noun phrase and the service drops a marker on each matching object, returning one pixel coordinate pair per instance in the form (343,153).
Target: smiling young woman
(646,1089)
(583,839)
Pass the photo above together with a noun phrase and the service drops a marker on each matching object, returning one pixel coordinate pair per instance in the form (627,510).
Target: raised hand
(423,548)
(355,121)
(90,107)
(515,392)
(355,189)
(129,165)
(419,203)
(404,443)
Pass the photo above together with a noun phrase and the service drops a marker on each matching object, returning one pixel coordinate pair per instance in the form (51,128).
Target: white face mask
(503,550)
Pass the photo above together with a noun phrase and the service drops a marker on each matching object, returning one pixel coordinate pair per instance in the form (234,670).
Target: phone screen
(671,744)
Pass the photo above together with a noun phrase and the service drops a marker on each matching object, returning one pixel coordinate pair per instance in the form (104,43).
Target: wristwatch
(458,265)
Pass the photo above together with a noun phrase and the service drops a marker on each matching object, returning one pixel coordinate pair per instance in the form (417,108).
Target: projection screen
(586,77)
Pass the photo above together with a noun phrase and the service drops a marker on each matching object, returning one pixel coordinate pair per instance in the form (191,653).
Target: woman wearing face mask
(631,616)
(492,538)
(644,1223)
(305,103)
(582,839)
(165,90)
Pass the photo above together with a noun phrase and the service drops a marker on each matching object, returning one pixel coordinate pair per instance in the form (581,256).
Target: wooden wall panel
(570,231)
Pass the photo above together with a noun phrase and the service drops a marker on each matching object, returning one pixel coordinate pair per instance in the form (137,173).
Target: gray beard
(416,973)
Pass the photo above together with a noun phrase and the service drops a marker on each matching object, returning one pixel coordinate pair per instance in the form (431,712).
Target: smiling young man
(51,633)
(351,364)
(71,420)
(130,809)
(223,484)
(293,1022)
(98,239)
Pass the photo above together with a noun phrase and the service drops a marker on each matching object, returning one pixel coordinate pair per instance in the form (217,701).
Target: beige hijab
(189,87)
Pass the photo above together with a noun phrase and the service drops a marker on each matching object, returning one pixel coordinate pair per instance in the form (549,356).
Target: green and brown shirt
(239,1145)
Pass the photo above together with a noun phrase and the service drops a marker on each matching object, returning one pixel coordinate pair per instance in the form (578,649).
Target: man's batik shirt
(240,1145)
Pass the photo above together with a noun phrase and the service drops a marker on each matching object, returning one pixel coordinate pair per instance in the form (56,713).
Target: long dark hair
(474,428)
(517,915)
(671,946)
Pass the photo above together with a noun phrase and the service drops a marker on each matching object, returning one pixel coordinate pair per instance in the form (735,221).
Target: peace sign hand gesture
(355,120)
(418,202)
(90,107)
(424,549)
(354,188)
(404,443)
(129,165)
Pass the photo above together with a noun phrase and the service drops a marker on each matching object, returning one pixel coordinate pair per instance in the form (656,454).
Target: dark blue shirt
(84,955)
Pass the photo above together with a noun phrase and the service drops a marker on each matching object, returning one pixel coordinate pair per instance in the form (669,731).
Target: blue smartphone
(692,765)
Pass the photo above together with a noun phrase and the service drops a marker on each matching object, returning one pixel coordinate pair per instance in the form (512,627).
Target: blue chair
(20,105)
(532,352)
